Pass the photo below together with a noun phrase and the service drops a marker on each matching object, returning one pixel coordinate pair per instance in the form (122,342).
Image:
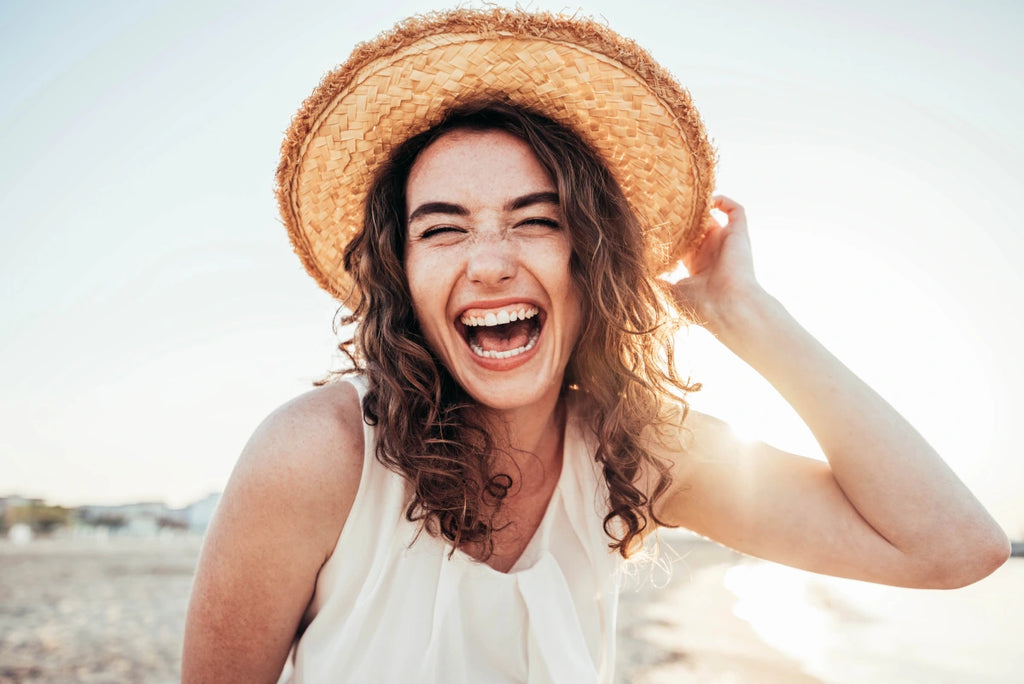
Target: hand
(721,268)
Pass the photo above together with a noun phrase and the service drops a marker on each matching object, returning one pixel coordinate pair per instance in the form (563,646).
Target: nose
(491,260)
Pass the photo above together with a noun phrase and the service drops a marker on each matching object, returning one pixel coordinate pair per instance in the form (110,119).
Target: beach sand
(87,610)
(92,610)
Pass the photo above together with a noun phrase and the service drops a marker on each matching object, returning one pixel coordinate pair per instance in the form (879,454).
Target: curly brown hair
(621,369)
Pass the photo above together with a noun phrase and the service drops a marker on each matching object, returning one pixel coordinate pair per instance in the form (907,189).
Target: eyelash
(550,223)
(430,232)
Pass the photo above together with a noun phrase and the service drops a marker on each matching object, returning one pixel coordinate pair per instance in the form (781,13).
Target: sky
(153,312)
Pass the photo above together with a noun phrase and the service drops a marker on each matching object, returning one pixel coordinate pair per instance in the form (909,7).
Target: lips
(501,332)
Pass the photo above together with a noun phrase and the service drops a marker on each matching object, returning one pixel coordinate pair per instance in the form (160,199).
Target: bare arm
(885,507)
(276,524)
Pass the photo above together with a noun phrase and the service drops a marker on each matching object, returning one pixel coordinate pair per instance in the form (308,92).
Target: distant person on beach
(494,196)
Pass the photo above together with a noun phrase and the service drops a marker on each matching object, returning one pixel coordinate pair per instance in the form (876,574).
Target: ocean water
(847,632)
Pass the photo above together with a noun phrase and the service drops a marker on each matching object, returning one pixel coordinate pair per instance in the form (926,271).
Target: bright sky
(153,312)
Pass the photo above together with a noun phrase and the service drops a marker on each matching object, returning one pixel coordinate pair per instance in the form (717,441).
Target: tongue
(503,337)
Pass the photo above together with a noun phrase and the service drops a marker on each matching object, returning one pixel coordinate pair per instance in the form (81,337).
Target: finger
(734,212)
(727,205)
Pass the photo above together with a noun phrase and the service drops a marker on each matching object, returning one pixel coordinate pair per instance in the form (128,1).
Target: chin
(534,383)
(506,396)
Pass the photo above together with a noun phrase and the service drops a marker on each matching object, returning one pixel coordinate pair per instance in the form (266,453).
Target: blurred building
(33,517)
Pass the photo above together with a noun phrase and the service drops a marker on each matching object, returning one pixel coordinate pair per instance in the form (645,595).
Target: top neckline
(537,548)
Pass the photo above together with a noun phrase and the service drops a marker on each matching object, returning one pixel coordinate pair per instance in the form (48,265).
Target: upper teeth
(501,317)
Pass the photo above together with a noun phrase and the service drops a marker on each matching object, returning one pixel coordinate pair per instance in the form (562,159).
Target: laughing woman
(494,195)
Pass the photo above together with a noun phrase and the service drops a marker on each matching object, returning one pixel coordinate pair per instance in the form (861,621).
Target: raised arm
(885,508)
(276,524)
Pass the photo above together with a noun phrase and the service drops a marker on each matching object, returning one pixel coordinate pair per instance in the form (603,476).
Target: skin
(884,508)
(485,234)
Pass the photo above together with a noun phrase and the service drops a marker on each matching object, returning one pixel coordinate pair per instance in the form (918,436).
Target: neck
(529,440)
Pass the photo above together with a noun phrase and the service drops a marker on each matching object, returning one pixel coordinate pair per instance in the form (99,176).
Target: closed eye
(540,221)
(440,230)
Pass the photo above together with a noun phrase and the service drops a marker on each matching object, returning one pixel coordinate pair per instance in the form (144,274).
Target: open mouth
(503,332)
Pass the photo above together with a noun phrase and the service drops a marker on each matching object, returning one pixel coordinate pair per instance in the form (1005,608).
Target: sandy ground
(86,610)
(114,611)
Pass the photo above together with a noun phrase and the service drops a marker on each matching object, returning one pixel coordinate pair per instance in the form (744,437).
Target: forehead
(470,164)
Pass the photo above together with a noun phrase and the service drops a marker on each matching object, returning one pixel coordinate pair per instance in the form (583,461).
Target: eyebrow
(438,208)
(450,209)
(531,199)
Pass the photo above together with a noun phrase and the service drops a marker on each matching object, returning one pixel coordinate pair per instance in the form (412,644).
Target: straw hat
(574,71)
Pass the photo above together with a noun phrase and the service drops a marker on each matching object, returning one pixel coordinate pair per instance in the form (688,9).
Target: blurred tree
(41,518)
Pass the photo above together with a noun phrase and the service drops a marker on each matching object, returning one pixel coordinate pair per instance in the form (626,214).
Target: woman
(494,194)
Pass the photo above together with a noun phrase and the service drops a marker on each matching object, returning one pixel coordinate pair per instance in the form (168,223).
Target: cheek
(576,318)
(560,266)
(575,298)
(567,292)
(427,290)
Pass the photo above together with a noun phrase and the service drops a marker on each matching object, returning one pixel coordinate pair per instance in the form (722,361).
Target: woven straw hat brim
(577,72)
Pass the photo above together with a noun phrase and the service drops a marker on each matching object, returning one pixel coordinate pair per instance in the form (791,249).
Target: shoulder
(687,443)
(315,429)
(299,472)
(277,522)
(308,451)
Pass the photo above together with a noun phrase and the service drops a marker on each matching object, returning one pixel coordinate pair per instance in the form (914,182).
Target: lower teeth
(490,354)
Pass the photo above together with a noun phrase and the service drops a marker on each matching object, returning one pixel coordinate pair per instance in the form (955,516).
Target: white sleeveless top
(386,609)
